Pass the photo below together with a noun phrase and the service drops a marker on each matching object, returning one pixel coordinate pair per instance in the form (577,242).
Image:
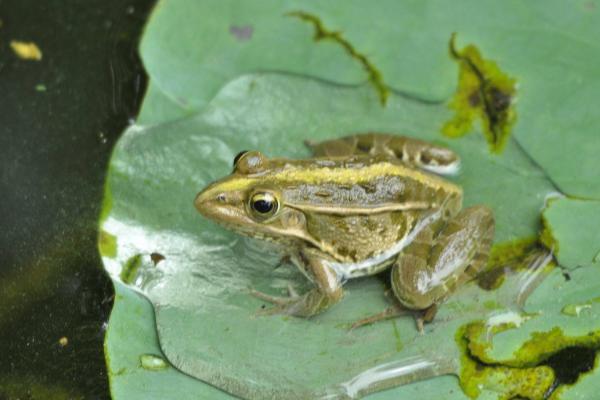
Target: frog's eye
(263,205)
(249,162)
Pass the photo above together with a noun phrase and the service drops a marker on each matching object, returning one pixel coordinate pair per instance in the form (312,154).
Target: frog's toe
(266,311)
(277,300)
(389,313)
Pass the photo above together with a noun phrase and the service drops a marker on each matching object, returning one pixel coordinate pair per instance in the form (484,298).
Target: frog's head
(249,201)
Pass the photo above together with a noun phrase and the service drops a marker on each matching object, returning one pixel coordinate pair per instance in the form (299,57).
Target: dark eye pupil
(263,206)
(238,156)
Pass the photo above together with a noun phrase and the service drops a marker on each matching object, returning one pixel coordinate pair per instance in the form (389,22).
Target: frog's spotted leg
(414,152)
(327,291)
(439,261)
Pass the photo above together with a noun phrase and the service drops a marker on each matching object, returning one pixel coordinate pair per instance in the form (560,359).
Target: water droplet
(152,362)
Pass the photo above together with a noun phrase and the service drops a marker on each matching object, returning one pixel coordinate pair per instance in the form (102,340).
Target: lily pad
(191,49)
(206,318)
(574,229)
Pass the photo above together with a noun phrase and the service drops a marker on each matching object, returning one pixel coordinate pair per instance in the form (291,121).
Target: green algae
(538,348)
(484,93)
(107,244)
(508,382)
(130,269)
(511,254)
(546,237)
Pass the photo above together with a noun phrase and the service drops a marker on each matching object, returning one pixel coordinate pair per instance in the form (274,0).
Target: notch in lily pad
(484,93)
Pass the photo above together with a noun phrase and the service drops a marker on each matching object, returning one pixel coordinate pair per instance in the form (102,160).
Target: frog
(362,204)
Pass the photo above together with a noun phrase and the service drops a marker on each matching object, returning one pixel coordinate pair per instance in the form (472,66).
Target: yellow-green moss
(546,236)
(322,33)
(541,345)
(130,269)
(107,244)
(508,382)
(484,92)
(507,254)
(492,305)
(538,348)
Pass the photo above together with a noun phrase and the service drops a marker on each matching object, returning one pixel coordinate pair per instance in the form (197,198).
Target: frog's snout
(218,205)
(208,200)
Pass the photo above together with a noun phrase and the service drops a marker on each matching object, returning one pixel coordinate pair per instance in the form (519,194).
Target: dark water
(59,119)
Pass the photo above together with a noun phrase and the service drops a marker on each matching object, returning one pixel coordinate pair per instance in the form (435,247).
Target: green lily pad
(206,318)
(192,48)
(574,229)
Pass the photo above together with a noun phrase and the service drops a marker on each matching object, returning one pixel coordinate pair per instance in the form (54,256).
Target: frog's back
(359,184)
(360,206)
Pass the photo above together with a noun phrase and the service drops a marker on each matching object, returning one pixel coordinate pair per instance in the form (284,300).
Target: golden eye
(263,205)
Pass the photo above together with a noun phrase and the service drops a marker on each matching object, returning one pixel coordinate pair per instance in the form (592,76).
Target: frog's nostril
(202,200)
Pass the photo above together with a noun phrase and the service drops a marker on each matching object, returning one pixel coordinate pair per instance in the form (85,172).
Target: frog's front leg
(414,152)
(327,291)
(442,258)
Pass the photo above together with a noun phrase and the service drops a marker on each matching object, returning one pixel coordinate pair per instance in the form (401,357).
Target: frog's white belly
(378,263)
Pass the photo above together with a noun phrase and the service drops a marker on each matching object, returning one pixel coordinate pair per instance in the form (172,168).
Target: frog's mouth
(221,207)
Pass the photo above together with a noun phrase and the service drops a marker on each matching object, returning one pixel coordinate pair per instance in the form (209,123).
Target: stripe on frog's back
(360,171)
(349,171)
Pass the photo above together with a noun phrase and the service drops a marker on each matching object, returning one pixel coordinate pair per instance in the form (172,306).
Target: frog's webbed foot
(424,317)
(306,305)
(280,302)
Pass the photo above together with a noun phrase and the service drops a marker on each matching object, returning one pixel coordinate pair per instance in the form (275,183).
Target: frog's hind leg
(414,152)
(442,258)
(391,312)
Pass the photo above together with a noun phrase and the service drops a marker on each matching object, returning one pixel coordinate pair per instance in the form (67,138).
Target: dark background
(54,149)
